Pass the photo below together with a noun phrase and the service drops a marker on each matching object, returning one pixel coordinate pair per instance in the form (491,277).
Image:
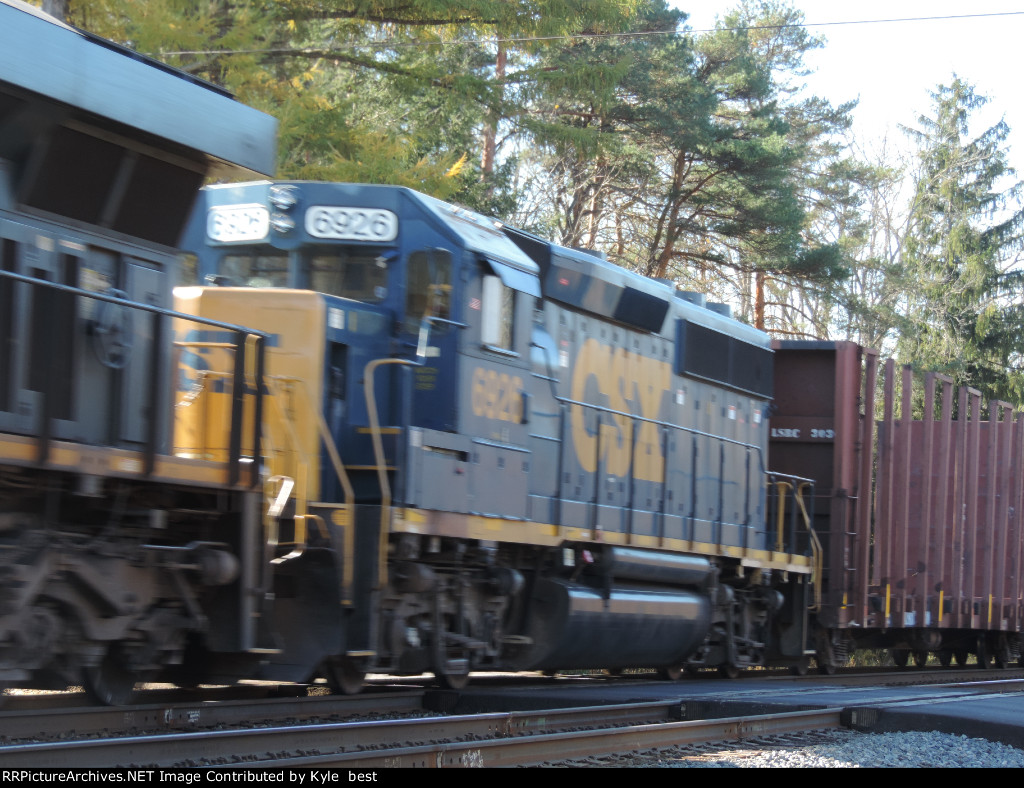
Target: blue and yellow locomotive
(486,451)
(369,431)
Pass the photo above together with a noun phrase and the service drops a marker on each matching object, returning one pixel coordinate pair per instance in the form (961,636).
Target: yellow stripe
(467,526)
(113,462)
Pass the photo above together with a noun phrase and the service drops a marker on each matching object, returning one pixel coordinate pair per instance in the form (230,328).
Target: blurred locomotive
(380,433)
(114,553)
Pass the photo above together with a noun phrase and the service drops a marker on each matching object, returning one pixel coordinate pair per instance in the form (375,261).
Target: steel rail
(188,716)
(547,748)
(296,745)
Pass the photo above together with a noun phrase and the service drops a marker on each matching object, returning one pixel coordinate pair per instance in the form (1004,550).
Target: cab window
(498,314)
(428,288)
(188,269)
(266,268)
(360,276)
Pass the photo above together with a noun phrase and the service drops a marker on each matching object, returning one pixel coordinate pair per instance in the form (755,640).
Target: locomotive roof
(475,233)
(481,235)
(96,78)
(584,279)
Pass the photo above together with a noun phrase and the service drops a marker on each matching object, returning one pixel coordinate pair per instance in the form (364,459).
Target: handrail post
(155,390)
(664,441)
(595,528)
(561,465)
(694,452)
(378,454)
(631,491)
(257,427)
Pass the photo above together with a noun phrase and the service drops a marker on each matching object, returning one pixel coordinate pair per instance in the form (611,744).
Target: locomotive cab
(412,295)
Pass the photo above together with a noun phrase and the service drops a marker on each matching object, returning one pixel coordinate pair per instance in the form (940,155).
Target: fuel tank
(575,626)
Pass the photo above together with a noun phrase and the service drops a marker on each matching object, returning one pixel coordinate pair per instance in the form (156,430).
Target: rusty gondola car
(917,505)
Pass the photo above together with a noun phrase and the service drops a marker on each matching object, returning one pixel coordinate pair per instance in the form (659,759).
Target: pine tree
(368,90)
(965,317)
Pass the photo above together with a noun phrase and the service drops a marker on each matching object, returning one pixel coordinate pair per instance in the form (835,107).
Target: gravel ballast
(826,749)
(864,750)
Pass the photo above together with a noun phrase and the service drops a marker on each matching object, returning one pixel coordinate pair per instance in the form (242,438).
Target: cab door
(431,335)
(496,377)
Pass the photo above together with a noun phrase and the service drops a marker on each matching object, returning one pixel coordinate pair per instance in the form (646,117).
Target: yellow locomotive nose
(294,375)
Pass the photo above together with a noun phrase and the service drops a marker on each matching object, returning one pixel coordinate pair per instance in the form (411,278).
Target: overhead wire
(584,36)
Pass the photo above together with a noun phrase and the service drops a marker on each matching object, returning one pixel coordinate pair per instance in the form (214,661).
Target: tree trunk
(759,300)
(491,129)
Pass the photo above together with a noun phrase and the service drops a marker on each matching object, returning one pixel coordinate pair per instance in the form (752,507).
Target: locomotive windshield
(266,268)
(428,293)
(357,274)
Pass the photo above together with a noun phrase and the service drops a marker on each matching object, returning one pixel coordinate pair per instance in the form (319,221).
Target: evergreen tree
(965,317)
(367,90)
(698,165)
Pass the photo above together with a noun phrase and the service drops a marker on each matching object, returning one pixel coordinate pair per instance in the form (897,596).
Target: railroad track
(505,739)
(47,722)
(304,731)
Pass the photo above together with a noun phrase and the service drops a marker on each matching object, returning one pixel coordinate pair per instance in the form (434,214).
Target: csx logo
(497,395)
(625,382)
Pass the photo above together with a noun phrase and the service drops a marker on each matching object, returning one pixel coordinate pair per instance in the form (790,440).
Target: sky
(892,66)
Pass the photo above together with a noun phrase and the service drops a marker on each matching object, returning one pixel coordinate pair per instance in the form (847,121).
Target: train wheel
(450,678)
(1001,652)
(343,676)
(920,658)
(900,657)
(671,674)
(960,655)
(800,667)
(110,683)
(946,657)
(728,671)
(826,668)
(983,653)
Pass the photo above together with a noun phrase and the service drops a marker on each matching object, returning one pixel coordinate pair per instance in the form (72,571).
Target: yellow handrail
(301,461)
(378,455)
(303,517)
(817,553)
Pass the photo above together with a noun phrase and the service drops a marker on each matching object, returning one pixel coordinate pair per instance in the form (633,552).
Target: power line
(944,18)
(584,36)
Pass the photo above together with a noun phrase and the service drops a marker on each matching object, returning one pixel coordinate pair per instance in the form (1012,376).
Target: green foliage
(365,90)
(695,158)
(964,318)
(692,161)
